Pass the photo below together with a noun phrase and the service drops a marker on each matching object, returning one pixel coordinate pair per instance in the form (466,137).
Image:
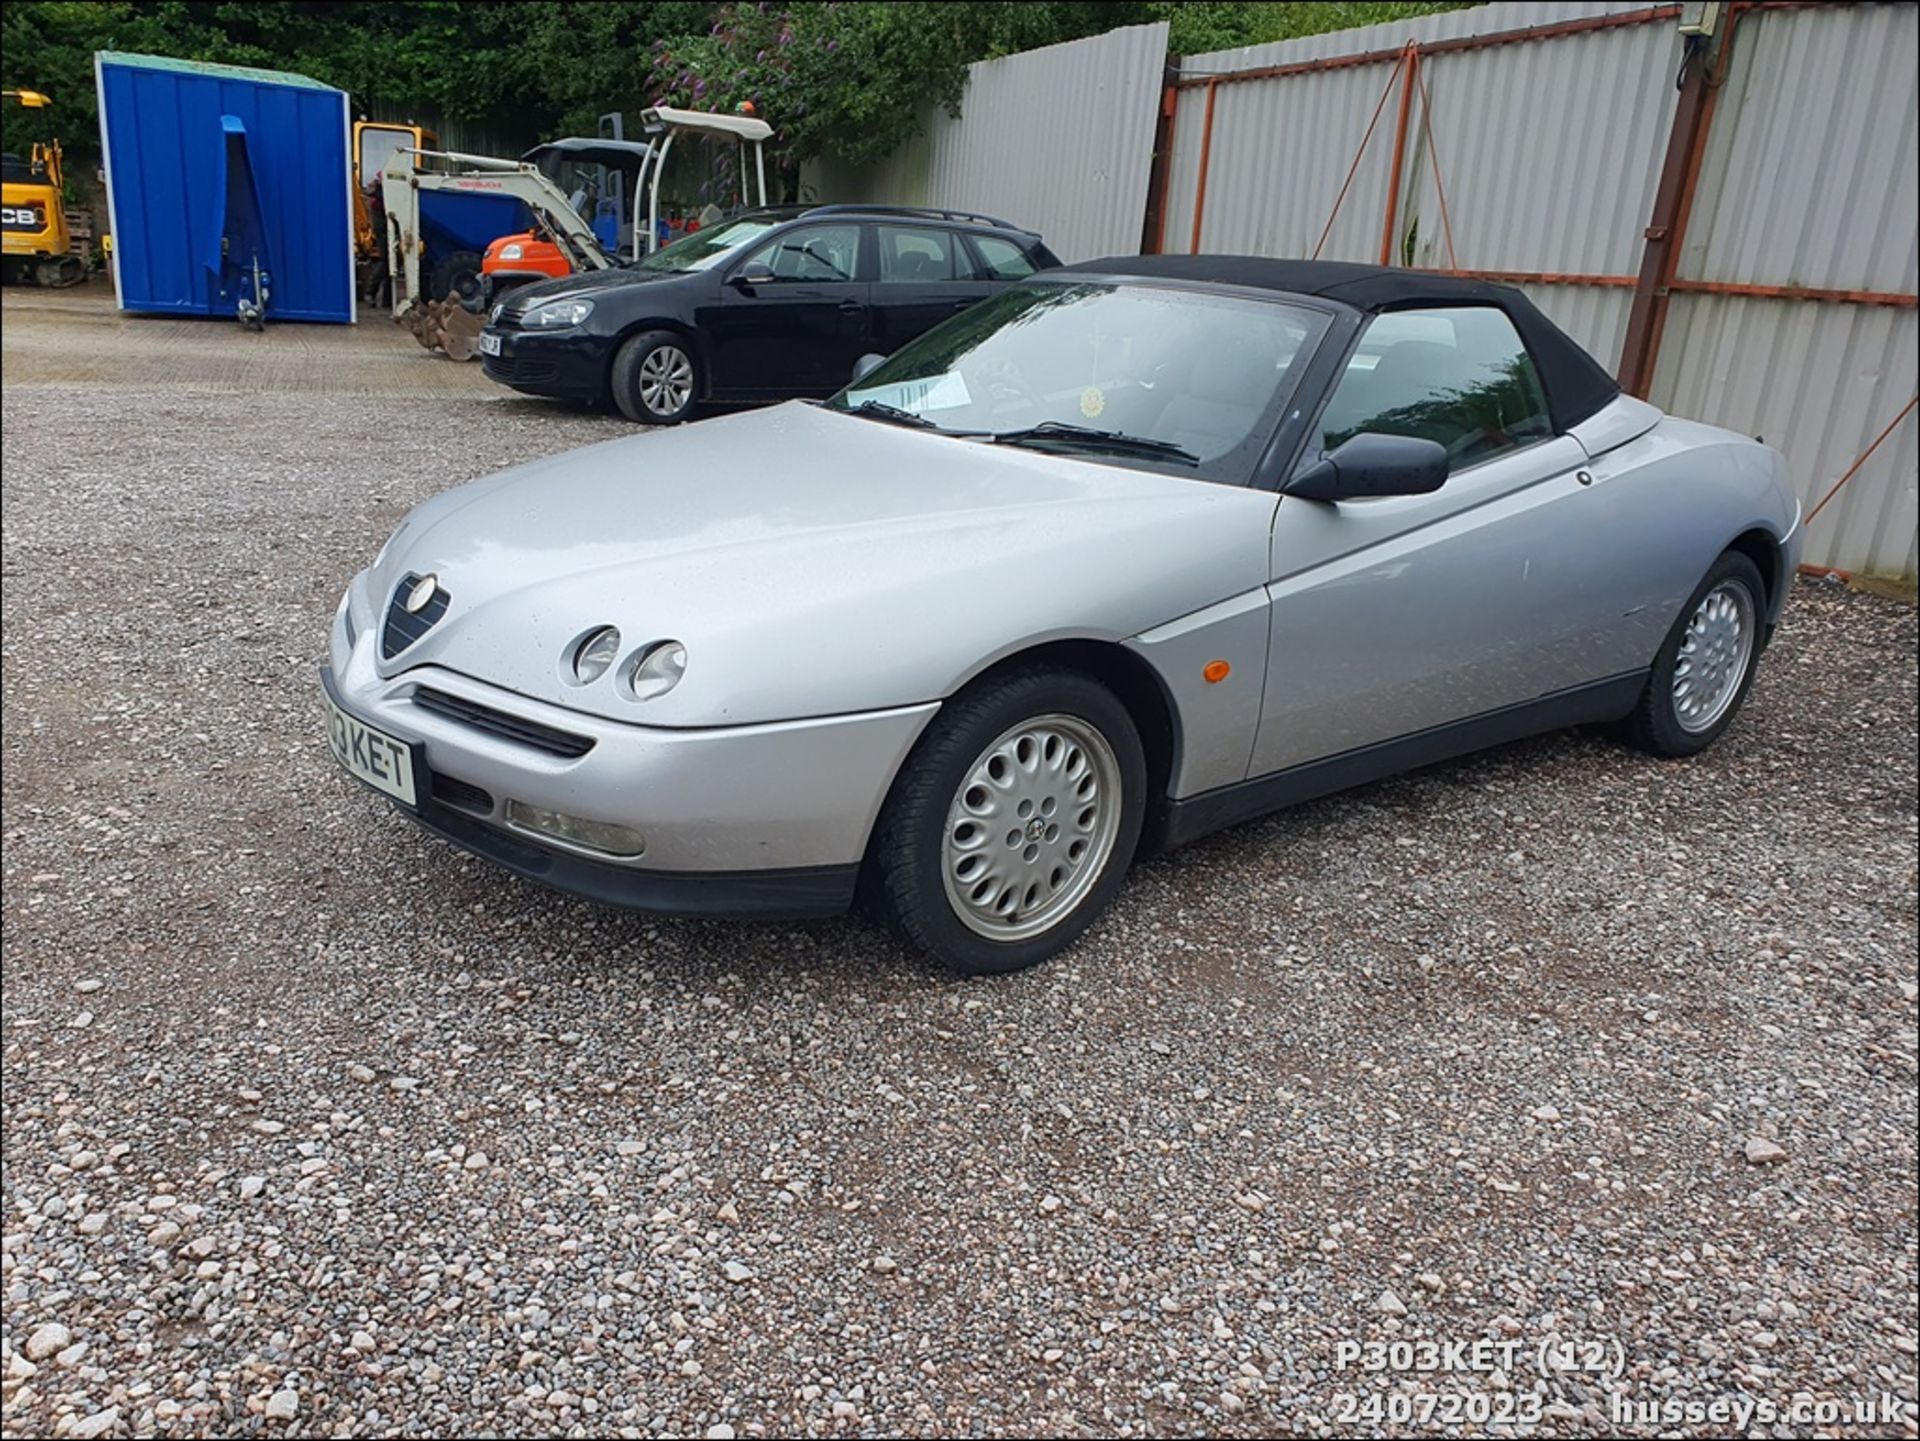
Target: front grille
(404,627)
(500,723)
(509,371)
(462,794)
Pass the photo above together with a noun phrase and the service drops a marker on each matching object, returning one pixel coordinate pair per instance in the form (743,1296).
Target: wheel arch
(1139,688)
(1763,548)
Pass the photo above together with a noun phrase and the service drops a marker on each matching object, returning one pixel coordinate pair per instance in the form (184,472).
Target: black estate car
(765,305)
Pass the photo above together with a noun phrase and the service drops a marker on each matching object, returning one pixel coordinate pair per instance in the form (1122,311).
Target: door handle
(962,304)
(850,306)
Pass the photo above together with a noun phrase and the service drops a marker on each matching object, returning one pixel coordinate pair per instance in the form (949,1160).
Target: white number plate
(373,756)
(489,344)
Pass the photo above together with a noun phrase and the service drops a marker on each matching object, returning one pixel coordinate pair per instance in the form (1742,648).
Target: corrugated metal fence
(1792,312)
(1059,139)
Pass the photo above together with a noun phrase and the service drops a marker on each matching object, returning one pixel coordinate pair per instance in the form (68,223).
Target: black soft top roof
(1576,384)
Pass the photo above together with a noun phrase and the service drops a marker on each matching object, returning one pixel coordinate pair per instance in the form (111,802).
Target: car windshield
(1160,377)
(703,249)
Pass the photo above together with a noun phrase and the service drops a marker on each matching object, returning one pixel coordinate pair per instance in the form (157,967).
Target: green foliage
(1207,25)
(844,79)
(524,68)
(847,79)
(50,48)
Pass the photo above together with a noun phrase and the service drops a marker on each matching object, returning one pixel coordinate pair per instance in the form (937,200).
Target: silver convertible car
(1130,552)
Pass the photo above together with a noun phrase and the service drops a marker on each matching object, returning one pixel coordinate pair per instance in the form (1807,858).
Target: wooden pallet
(80,231)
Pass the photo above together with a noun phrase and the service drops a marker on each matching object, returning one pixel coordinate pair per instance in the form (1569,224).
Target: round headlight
(658,670)
(595,653)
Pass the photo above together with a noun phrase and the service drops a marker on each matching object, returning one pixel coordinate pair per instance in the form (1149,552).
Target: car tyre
(1012,823)
(656,378)
(1704,669)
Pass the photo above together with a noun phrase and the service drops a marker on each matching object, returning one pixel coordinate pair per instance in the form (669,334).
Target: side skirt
(1195,816)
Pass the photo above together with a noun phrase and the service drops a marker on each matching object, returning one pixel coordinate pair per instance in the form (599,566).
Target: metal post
(1206,152)
(1409,59)
(639,189)
(1154,233)
(1672,200)
(653,199)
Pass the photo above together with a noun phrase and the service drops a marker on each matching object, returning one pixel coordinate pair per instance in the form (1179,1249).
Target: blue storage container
(221,178)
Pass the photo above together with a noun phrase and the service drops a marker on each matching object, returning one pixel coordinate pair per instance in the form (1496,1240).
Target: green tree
(49,47)
(1195,27)
(852,79)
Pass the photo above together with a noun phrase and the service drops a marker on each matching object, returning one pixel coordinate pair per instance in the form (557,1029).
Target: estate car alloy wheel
(654,380)
(1012,823)
(666,379)
(1703,670)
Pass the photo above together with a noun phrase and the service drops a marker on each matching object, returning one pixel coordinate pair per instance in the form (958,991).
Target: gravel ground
(314,1126)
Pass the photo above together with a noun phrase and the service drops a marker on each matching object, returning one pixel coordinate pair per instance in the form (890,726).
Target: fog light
(602,836)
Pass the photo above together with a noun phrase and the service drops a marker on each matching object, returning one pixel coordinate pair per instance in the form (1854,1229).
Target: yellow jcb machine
(33,217)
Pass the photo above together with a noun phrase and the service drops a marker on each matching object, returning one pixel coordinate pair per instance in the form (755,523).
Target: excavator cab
(375,143)
(35,244)
(597,176)
(618,186)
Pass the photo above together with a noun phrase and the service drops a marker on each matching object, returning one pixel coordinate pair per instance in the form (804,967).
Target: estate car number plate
(373,756)
(489,344)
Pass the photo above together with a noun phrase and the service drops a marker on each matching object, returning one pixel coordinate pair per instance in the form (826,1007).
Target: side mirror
(751,276)
(1373,465)
(865,366)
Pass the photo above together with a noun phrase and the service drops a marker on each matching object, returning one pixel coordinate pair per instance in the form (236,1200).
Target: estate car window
(812,253)
(710,246)
(915,254)
(1460,376)
(1004,260)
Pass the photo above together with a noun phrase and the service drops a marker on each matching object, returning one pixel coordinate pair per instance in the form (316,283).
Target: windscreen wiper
(1086,437)
(880,410)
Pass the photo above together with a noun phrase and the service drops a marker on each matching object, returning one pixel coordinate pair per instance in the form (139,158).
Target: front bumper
(766,820)
(562,365)
(794,893)
(1791,549)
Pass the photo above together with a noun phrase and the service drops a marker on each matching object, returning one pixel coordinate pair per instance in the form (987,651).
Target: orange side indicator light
(1216,671)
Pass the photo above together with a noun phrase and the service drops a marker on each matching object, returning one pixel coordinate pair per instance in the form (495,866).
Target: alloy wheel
(1031,827)
(1713,657)
(666,380)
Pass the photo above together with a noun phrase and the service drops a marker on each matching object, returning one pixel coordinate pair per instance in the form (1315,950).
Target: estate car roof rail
(972,215)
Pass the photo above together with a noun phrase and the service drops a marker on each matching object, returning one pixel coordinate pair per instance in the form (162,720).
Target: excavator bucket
(445,325)
(460,331)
